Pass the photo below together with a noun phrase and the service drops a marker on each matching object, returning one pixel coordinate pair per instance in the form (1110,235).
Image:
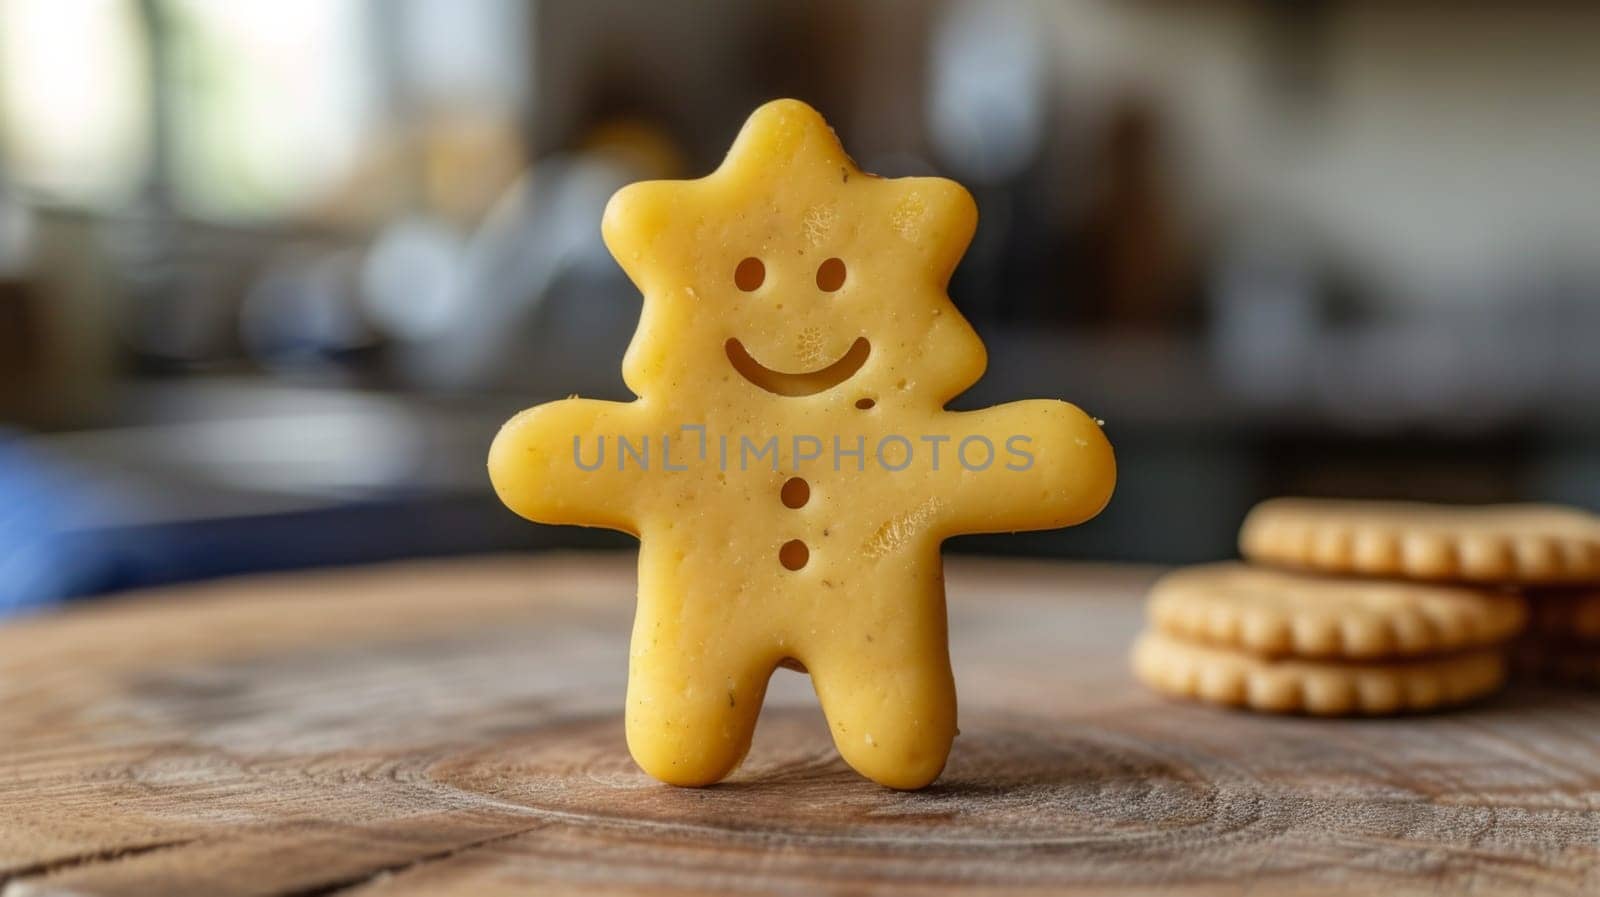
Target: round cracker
(1275,613)
(1321,688)
(1492,544)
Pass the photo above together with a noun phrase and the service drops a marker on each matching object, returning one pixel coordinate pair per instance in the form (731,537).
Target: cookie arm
(563,462)
(1052,466)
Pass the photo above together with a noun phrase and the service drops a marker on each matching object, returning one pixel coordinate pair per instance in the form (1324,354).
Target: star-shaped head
(789,271)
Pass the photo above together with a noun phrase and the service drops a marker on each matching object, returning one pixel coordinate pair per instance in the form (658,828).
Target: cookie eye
(830,275)
(750,274)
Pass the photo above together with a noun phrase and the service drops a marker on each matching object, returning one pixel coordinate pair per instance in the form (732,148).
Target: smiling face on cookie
(789,274)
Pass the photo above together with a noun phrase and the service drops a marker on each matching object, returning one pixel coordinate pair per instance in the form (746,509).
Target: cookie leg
(890,700)
(691,708)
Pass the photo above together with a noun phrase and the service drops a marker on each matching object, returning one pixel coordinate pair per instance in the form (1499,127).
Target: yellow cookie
(1526,544)
(1321,688)
(1565,614)
(1274,613)
(789,466)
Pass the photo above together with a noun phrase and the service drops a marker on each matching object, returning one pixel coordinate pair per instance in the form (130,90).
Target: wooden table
(455,728)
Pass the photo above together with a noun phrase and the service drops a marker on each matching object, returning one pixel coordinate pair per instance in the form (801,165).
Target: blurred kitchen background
(272,272)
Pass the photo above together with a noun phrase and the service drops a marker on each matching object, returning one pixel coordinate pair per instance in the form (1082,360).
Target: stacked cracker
(1374,608)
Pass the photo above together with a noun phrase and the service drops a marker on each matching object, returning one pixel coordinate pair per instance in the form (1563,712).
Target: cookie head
(788,272)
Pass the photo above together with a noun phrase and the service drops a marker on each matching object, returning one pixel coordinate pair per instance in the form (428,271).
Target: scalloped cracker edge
(1495,544)
(1275,613)
(1320,688)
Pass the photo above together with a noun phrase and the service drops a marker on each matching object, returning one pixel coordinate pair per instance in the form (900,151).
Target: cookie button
(795,493)
(794,554)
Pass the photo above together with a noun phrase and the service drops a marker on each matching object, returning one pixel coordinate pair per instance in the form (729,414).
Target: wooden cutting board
(455,728)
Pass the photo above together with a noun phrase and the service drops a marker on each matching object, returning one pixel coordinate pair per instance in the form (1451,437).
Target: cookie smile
(804,383)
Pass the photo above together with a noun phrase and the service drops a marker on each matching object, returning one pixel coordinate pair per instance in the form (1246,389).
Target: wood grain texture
(455,728)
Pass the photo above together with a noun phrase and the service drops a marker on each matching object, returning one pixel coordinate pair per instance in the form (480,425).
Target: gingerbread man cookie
(789,466)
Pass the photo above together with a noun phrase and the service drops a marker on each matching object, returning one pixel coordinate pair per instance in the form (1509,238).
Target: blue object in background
(42,561)
(64,533)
